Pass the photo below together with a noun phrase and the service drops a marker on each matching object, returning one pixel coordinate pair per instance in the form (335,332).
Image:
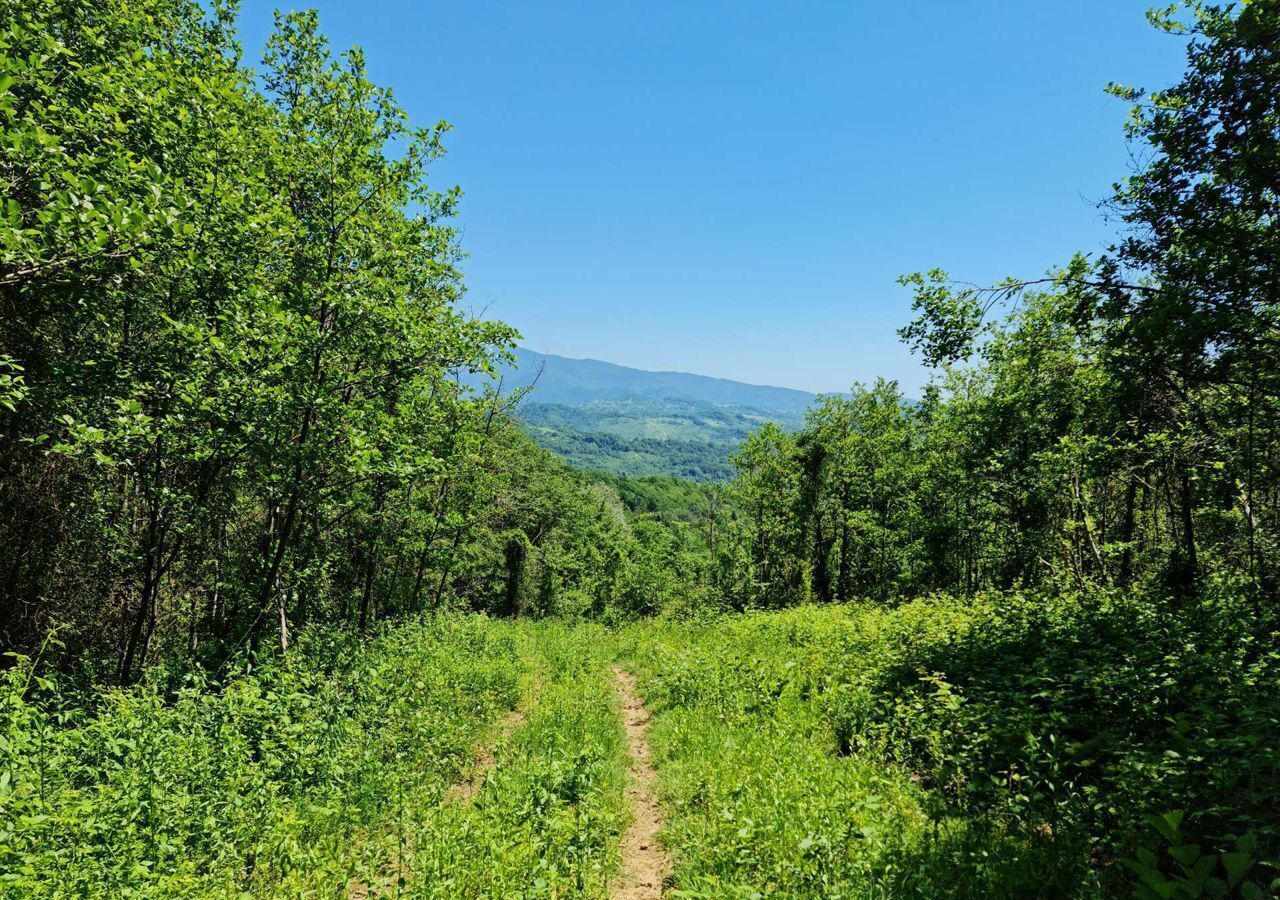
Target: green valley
(627,421)
(641,437)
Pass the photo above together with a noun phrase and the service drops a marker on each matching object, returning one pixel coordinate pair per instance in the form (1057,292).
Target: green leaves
(949,318)
(1030,729)
(310,768)
(1237,865)
(1167,824)
(13,389)
(225,311)
(1195,873)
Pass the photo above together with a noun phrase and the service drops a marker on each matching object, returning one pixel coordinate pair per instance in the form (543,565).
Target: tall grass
(1000,746)
(280,780)
(547,819)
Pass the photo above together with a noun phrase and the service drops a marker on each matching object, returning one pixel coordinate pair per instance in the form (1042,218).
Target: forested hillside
(640,437)
(576,382)
(293,604)
(597,415)
(232,346)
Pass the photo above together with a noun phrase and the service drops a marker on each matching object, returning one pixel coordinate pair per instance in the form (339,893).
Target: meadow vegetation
(1006,744)
(290,605)
(325,774)
(298,774)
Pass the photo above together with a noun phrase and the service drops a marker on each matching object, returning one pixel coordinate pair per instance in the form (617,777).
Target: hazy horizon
(594,359)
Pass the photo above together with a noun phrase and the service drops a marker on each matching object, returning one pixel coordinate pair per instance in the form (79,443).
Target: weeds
(999,746)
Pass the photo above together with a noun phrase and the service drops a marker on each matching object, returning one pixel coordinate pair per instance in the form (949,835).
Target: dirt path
(644,863)
(483,760)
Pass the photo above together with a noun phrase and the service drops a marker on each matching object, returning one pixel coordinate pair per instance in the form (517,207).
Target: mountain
(599,415)
(572,382)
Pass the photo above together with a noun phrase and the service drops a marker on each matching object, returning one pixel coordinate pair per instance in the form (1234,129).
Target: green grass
(1004,745)
(324,774)
(547,821)
(761,799)
(999,746)
(274,782)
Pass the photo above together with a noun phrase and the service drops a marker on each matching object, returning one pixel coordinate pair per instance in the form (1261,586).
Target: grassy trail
(540,808)
(763,799)
(558,797)
(484,760)
(350,769)
(843,752)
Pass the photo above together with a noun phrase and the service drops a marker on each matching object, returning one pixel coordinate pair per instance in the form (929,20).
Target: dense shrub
(1020,742)
(269,777)
(1081,712)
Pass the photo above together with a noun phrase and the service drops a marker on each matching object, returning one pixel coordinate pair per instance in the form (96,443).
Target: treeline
(234,365)
(232,355)
(1118,426)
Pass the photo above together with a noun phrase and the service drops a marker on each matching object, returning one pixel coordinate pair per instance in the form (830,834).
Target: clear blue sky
(731,188)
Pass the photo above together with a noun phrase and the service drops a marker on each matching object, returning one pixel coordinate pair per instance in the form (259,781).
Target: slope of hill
(599,415)
(573,382)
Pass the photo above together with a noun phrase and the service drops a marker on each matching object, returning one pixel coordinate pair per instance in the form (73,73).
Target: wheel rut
(483,760)
(644,864)
(481,765)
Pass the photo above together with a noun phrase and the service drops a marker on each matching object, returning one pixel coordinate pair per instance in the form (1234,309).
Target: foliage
(266,785)
(234,370)
(547,821)
(1126,418)
(1000,745)
(233,314)
(641,436)
(328,774)
(669,499)
(632,456)
(250,468)
(760,800)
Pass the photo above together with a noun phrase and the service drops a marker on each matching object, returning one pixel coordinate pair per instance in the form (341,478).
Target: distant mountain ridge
(574,382)
(599,415)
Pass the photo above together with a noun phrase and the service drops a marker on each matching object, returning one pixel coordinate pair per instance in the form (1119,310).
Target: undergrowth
(547,819)
(326,774)
(278,780)
(998,746)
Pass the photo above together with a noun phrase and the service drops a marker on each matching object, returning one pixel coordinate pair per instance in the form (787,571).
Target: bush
(273,776)
(1024,745)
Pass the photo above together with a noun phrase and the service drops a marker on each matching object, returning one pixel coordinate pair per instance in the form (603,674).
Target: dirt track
(644,865)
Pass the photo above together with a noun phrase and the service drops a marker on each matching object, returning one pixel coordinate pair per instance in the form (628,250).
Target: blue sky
(732,188)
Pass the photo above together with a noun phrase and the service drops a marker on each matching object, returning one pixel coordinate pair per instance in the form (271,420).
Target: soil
(645,865)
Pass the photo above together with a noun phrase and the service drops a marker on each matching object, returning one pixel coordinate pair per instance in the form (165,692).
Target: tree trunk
(366,593)
(1187,504)
(1126,530)
(517,553)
